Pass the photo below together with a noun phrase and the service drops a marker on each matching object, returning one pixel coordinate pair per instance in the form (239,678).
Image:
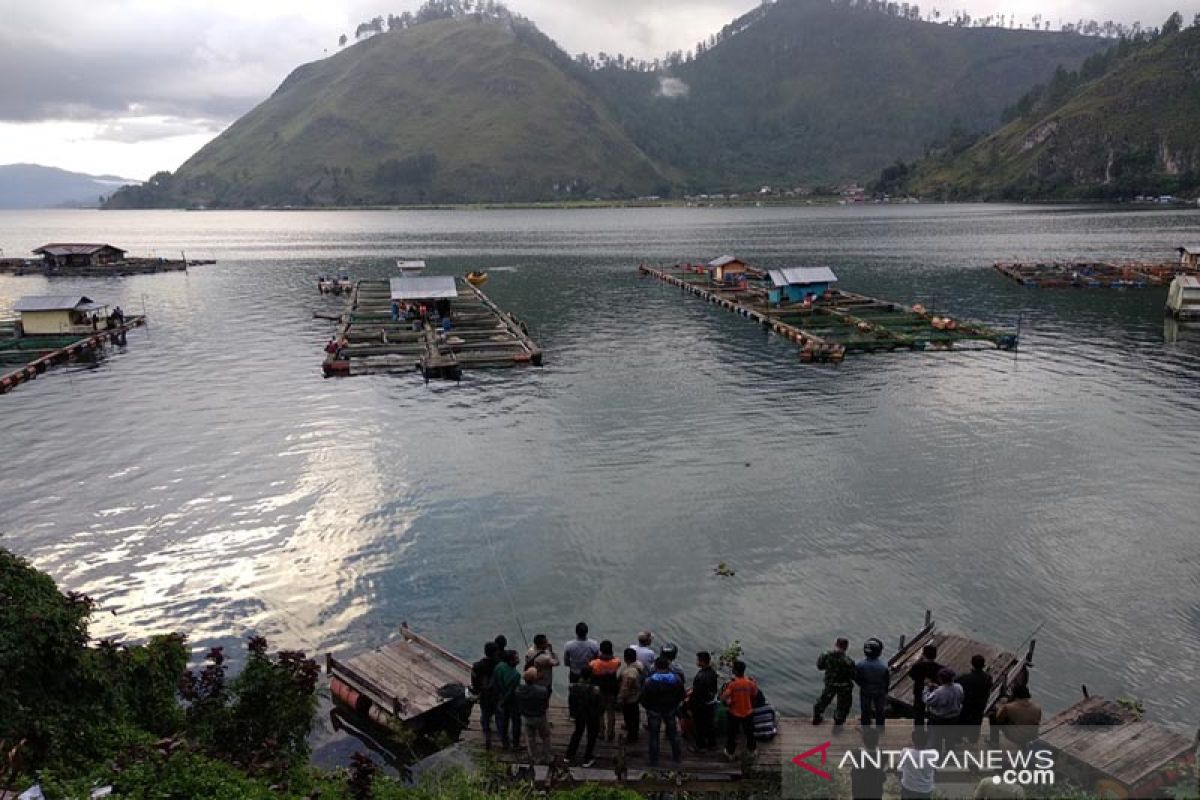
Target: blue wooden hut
(796,284)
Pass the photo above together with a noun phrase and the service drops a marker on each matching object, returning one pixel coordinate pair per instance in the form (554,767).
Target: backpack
(765,726)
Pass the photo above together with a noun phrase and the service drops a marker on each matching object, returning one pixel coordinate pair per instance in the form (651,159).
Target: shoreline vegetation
(822,201)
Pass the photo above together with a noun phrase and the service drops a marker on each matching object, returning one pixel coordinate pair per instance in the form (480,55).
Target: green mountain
(1124,125)
(449,110)
(460,107)
(818,91)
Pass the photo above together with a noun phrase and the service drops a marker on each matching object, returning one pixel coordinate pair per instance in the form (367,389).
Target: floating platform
(1092,274)
(954,652)
(129,266)
(482,336)
(24,358)
(1107,748)
(411,683)
(838,323)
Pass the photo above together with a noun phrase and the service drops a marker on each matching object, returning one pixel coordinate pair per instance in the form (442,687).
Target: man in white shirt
(645,655)
(918,767)
(579,652)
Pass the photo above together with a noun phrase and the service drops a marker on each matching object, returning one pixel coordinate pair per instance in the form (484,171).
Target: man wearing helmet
(873,677)
(671,652)
(839,683)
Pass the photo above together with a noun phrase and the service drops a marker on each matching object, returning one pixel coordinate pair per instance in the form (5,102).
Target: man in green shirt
(839,683)
(505,680)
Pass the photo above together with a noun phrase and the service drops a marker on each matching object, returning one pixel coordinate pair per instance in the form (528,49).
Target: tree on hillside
(1174,24)
(342,40)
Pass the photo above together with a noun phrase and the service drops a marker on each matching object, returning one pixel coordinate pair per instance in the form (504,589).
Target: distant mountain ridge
(466,108)
(36,186)
(1124,126)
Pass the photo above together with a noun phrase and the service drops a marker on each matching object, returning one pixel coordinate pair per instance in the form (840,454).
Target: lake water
(208,480)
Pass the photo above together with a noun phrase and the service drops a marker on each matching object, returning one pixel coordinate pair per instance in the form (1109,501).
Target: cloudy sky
(129,87)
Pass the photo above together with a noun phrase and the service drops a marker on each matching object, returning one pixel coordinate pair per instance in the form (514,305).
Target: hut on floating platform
(799,284)
(728,270)
(56,315)
(437,292)
(1189,257)
(79,255)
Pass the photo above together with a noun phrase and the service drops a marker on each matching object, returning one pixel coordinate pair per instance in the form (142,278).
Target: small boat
(477,278)
(410,267)
(1183,298)
(339,285)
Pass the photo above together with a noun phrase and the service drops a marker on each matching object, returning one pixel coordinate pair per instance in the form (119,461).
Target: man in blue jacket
(873,677)
(661,695)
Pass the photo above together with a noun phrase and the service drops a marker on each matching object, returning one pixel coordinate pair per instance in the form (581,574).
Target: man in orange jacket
(739,696)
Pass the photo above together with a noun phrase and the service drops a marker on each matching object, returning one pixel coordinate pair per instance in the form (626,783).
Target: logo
(801,760)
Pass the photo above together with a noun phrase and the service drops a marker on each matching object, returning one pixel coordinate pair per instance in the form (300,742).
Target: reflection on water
(208,479)
(1176,331)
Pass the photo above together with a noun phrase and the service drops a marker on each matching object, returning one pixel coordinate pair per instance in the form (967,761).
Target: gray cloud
(131,131)
(117,59)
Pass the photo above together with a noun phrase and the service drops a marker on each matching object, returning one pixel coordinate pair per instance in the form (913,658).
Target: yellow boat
(477,278)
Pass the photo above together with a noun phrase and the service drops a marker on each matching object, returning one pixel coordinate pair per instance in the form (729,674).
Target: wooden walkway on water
(841,322)
(24,358)
(483,336)
(1092,274)
(955,652)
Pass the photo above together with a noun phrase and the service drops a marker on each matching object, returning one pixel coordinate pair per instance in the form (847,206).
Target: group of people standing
(514,695)
(947,708)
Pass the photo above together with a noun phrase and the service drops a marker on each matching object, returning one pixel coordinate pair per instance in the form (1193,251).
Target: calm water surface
(209,480)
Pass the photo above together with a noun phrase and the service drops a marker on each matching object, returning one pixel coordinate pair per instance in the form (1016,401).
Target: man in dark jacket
(873,677)
(505,680)
(661,695)
(977,689)
(924,676)
(839,683)
(583,701)
(484,690)
(703,702)
(533,700)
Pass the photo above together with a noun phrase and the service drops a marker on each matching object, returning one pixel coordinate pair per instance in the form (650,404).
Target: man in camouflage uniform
(839,683)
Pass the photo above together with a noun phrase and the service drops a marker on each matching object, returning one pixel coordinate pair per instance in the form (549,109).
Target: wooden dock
(482,336)
(24,358)
(1092,274)
(955,652)
(838,323)
(1108,747)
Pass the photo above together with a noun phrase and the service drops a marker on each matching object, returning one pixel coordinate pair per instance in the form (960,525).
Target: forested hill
(815,91)
(449,110)
(457,103)
(1123,125)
